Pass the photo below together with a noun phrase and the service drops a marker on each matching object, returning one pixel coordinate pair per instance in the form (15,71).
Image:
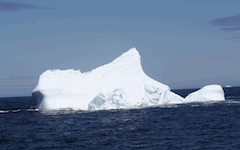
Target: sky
(182,43)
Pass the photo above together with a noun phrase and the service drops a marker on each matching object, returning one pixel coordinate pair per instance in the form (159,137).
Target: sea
(193,126)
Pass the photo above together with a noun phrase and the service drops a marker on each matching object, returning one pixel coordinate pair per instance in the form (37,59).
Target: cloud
(18,82)
(233,38)
(8,6)
(231,29)
(17,86)
(231,24)
(23,77)
(227,21)
(19,78)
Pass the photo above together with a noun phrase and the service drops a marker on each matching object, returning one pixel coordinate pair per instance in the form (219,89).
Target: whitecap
(4,111)
(32,109)
(17,110)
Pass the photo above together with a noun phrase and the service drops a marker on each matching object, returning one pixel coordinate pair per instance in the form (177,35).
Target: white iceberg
(207,93)
(119,84)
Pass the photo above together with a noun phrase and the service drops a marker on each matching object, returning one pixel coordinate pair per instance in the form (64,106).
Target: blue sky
(183,43)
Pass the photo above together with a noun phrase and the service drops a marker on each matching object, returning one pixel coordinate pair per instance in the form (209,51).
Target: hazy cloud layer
(8,6)
(17,86)
(18,78)
(231,29)
(18,82)
(228,21)
(231,38)
(231,23)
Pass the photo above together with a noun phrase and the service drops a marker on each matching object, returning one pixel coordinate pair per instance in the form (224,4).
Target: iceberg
(228,86)
(207,93)
(119,84)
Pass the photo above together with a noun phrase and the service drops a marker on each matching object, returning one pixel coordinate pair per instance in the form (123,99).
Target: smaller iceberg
(228,86)
(207,93)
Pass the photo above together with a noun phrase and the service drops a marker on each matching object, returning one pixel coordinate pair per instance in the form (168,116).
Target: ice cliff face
(119,84)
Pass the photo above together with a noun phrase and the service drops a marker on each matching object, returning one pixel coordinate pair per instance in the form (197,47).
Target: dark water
(186,126)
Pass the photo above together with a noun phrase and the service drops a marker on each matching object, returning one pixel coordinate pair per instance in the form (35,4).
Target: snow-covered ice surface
(119,84)
(207,93)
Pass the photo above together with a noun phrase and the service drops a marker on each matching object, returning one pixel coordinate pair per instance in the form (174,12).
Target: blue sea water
(209,125)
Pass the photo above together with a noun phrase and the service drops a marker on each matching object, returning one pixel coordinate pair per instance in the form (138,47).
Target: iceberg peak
(129,63)
(131,53)
(129,57)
